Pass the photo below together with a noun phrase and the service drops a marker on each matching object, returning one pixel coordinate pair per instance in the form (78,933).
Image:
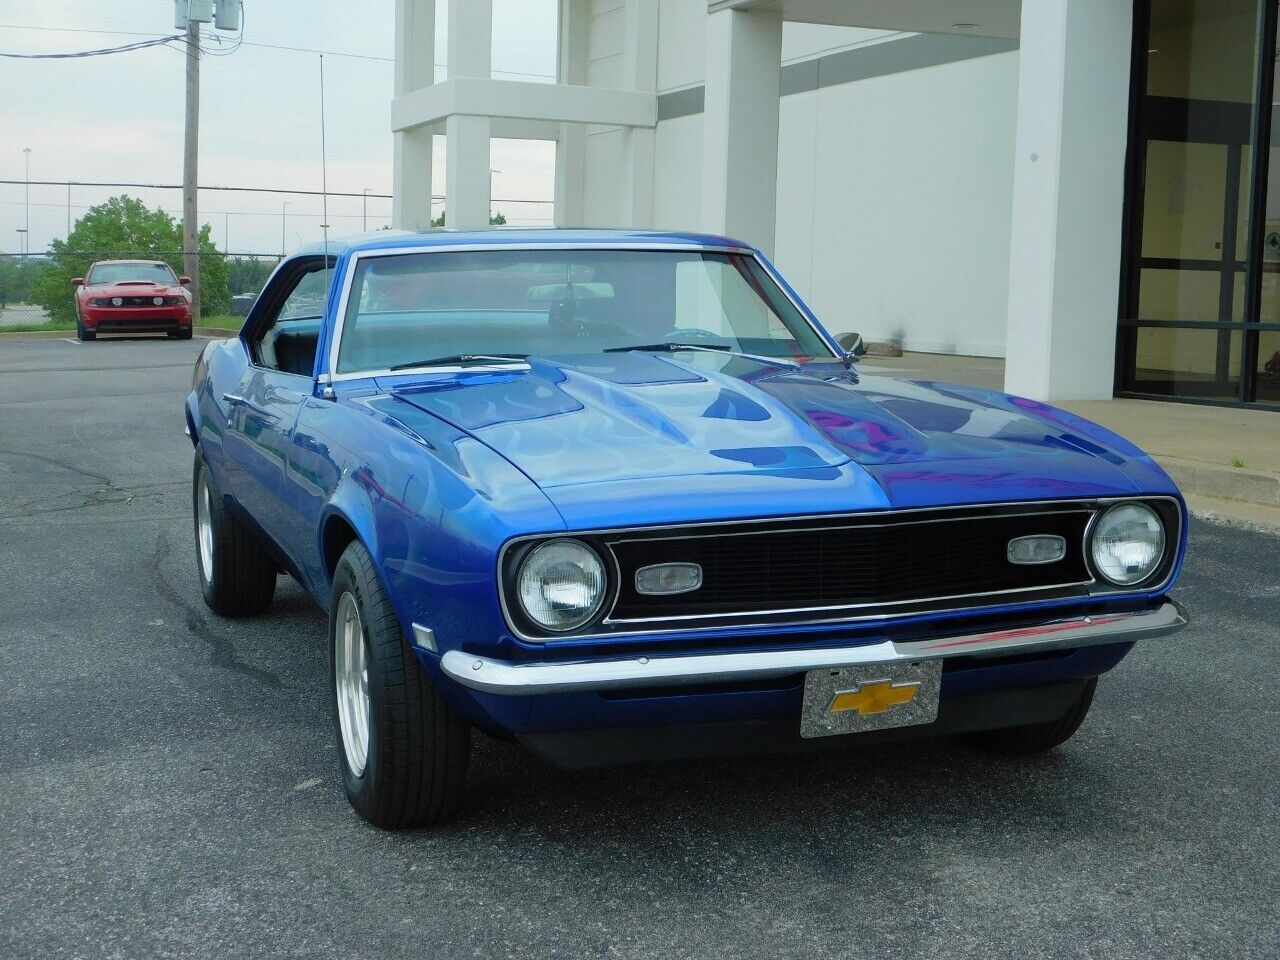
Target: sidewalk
(1225,459)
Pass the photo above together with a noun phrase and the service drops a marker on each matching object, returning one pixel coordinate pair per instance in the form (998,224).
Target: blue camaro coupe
(620,496)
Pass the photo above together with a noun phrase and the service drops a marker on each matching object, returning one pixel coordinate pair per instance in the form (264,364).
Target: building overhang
(985,18)
(527,106)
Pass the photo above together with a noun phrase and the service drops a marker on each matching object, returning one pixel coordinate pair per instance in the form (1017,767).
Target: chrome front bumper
(546,676)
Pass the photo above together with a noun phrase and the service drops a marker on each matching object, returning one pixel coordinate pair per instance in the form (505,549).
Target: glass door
(1195,280)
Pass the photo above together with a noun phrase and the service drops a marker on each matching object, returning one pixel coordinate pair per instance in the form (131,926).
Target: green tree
(247,274)
(496,220)
(18,275)
(125,228)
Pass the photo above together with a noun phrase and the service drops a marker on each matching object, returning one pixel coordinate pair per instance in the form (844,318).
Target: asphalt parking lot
(170,785)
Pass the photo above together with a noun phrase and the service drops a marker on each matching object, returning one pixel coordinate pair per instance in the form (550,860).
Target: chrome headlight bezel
(522,571)
(1157,569)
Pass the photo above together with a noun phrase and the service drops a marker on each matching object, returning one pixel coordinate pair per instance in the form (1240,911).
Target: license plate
(859,699)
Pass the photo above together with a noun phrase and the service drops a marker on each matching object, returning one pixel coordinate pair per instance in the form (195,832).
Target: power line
(285,190)
(265,46)
(100,52)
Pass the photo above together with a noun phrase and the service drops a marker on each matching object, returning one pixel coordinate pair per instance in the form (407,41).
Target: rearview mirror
(554,292)
(184,280)
(78,282)
(853,345)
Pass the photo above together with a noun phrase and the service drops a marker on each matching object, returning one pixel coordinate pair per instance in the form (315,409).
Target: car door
(281,339)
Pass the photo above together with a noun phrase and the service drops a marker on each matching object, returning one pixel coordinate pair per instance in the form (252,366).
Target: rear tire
(402,750)
(237,577)
(1040,737)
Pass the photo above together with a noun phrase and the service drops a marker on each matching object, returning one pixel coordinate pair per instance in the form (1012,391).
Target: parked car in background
(132,296)
(621,496)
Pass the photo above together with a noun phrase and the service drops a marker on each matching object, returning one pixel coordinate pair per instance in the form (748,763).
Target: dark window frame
(1181,120)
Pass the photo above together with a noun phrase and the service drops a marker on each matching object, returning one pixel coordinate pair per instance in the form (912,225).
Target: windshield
(410,308)
(123,272)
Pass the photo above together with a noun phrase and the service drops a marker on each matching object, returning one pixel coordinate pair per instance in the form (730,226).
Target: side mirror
(78,282)
(184,280)
(853,345)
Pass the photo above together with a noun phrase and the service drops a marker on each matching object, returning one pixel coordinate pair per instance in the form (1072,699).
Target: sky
(120,117)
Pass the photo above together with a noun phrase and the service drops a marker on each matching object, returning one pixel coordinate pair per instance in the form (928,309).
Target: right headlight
(1127,543)
(561,585)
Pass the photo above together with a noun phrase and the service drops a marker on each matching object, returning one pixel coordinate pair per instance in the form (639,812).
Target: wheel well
(191,428)
(337,536)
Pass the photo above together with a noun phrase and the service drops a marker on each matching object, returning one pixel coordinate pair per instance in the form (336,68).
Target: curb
(1223,483)
(37,334)
(212,332)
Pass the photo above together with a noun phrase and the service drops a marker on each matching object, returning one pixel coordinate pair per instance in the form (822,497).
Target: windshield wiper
(462,360)
(669,347)
(717,347)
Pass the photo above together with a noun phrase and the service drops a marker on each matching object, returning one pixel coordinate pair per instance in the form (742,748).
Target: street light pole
(364,210)
(283,206)
(191,146)
(26,203)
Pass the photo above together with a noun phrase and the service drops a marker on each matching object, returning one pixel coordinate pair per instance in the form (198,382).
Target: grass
(47,325)
(1237,462)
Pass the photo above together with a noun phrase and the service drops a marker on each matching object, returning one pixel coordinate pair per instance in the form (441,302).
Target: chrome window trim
(686,622)
(331,375)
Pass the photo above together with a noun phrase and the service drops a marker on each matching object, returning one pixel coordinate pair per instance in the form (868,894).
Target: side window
(286,337)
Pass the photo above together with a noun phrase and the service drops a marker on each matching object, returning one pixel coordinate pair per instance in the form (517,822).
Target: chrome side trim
(508,678)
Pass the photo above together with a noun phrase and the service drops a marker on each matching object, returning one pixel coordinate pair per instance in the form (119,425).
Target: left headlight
(561,585)
(1127,544)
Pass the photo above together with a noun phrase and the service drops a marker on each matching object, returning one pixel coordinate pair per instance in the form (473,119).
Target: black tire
(243,579)
(417,747)
(181,334)
(1039,737)
(83,332)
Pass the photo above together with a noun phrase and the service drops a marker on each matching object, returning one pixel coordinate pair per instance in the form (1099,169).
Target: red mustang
(132,296)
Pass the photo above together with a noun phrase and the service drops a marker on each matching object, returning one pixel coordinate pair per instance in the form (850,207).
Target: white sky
(120,117)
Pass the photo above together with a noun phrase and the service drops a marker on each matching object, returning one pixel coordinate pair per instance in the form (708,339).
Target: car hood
(133,289)
(665,428)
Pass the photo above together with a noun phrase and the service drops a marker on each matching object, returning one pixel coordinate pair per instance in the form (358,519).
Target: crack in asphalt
(223,654)
(97,498)
(54,462)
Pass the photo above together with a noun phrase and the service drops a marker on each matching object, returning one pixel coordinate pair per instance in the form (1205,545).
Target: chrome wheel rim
(351,678)
(204,528)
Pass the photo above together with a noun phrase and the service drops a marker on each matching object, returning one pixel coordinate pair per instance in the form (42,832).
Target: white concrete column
(415,41)
(571,142)
(1068,191)
(466,158)
(639,72)
(740,125)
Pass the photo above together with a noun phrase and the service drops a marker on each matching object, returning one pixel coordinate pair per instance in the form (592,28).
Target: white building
(1064,183)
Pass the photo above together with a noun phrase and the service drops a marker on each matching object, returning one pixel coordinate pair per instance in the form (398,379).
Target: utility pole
(364,211)
(284,204)
(68,209)
(191,146)
(26,204)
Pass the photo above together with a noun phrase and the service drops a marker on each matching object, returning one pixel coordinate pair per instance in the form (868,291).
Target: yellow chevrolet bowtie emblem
(874,697)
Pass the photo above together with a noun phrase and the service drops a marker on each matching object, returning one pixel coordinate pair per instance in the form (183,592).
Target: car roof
(100,263)
(533,236)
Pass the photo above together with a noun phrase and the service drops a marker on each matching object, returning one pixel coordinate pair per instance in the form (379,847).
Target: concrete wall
(899,230)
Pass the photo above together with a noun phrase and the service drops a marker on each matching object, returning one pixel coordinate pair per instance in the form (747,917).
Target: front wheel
(237,577)
(1039,737)
(83,332)
(402,750)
